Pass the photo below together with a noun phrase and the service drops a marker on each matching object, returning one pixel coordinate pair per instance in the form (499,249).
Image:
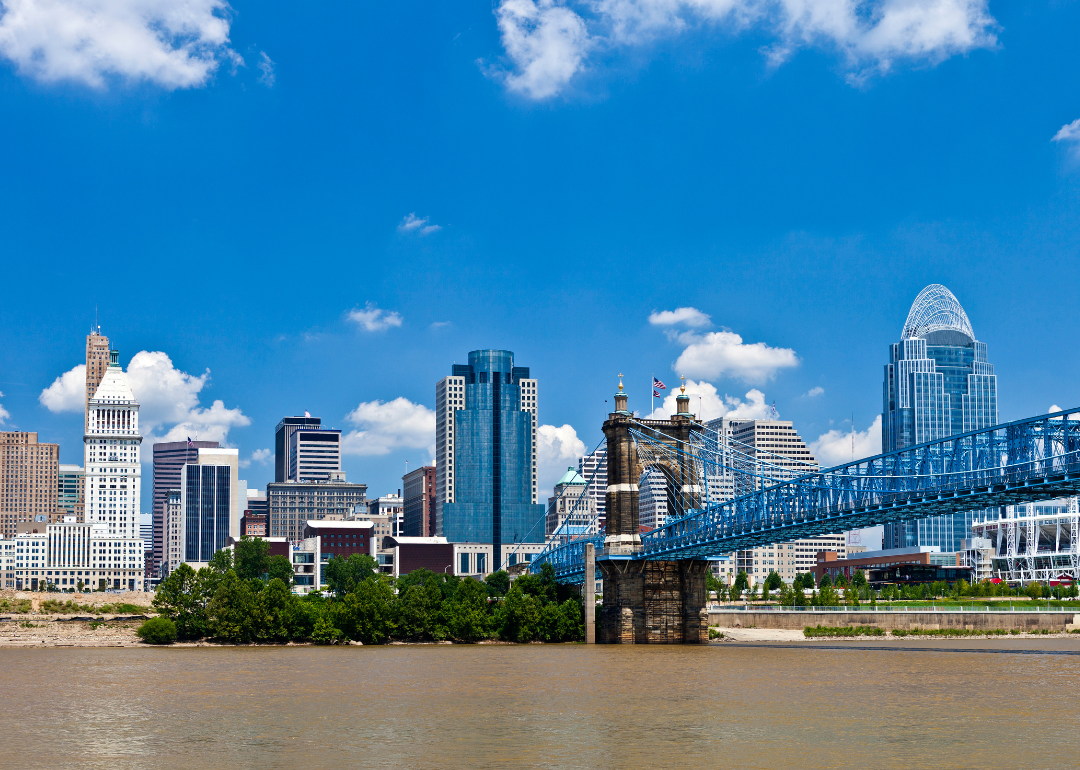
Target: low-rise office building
(834,564)
(73,555)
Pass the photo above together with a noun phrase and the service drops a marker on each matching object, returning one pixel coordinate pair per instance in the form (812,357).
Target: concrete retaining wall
(1054,621)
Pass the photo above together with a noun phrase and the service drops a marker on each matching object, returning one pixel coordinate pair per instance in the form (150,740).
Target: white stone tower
(111,447)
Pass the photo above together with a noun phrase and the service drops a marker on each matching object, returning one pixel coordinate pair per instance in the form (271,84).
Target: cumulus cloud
(1069,135)
(548,41)
(834,447)
(373,319)
(386,426)
(170,43)
(266,70)
(417,225)
(67,393)
(168,399)
(814,392)
(4,413)
(261,456)
(708,404)
(557,448)
(1053,408)
(713,355)
(681,316)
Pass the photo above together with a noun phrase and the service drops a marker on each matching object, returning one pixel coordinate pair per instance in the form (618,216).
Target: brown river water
(536,707)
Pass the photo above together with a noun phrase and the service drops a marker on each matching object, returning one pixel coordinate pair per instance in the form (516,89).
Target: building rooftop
(934,310)
(570,477)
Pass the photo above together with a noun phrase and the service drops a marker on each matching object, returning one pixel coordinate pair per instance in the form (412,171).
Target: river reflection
(535,707)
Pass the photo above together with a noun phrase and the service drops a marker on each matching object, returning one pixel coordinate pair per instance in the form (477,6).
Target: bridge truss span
(1037,458)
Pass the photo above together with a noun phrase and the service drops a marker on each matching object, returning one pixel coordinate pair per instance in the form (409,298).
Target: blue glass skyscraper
(937,383)
(485,448)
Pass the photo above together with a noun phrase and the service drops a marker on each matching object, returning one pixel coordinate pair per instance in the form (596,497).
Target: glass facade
(938,383)
(493,451)
(206,498)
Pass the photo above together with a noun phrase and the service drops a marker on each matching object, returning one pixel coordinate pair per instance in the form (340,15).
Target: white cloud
(557,448)
(372,319)
(171,43)
(4,413)
(717,354)
(67,393)
(386,426)
(814,392)
(166,396)
(417,225)
(685,316)
(834,447)
(261,456)
(548,41)
(1069,135)
(266,70)
(707,404)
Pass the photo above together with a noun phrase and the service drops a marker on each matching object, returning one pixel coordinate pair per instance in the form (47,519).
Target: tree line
(246,597)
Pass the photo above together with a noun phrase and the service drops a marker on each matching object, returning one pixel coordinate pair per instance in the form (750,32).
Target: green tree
(279,568)
(231,611)
(773,581)
(742,580)
(842,581)
(325,632)
(343,576)
(466,613)
(252,557)
(828,596)
(366,614)
(419,612)
(277,613)
(859,579)
(498,583)
(179,597)
(221,562)
(159,630)
(825,582)
(517,618)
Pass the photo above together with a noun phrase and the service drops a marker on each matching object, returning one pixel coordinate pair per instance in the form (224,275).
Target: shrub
(714,634)
(813,631)
(157,631)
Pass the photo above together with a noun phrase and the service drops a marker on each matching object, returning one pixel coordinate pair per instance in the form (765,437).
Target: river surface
(533,706)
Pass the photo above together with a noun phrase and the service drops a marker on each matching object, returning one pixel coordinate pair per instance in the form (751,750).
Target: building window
(464,567)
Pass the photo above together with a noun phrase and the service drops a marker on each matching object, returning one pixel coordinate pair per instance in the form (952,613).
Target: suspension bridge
(654,581)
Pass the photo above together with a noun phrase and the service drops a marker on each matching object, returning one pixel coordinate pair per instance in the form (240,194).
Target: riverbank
(737,635)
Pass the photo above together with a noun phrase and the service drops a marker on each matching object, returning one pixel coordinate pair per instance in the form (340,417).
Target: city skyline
(314,229)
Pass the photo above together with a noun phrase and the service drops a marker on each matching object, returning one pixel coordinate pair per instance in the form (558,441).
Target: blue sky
(284,209)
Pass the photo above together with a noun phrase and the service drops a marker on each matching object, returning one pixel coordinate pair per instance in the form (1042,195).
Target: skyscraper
(71,491)
(283,442)
(97,361)
(485,447)
(111,446)
(28,479)
(938,383)
(419,487)
(314,455)
(169,458)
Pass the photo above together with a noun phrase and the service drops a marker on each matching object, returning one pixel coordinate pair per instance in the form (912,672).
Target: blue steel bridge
(1033,459)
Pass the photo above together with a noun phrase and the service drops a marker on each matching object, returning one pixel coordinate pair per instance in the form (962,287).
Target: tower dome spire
(936,309)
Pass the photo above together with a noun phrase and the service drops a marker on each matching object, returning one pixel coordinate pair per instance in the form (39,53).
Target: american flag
(658,385)
(655,394)
(190,445)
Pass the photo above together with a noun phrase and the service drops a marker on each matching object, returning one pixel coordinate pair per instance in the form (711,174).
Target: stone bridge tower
(648,602)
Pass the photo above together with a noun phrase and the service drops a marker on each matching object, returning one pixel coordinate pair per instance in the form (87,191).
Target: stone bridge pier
(648,602)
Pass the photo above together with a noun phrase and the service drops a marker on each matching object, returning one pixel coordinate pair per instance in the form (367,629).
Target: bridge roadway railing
(1036,458)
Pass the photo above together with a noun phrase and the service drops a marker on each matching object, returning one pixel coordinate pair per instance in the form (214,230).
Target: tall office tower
(172,556)
(593,468)
(28,479)
(485,450)
(71,491)
(314,455)
(169,458)
(419,516)
(937,383)
(773,448)
(97,361)
(282,442)
(206,495)
(652,499)
(111,446)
